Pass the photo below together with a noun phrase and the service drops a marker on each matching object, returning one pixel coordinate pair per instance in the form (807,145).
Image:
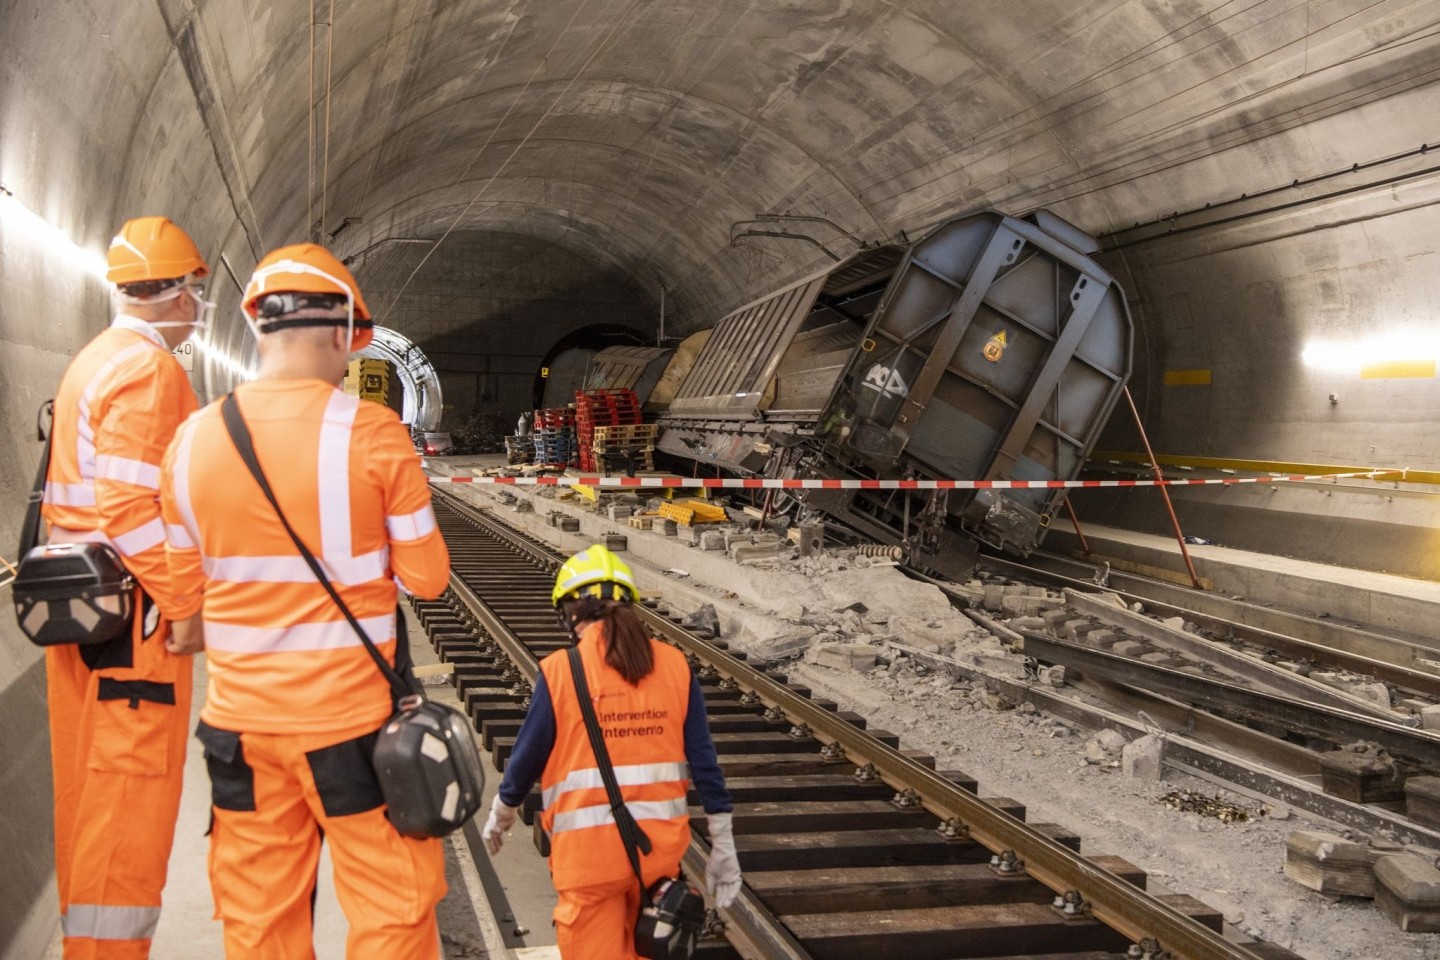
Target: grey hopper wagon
(993,348)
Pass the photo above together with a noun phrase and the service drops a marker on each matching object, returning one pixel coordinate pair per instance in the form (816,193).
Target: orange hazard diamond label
(994,347)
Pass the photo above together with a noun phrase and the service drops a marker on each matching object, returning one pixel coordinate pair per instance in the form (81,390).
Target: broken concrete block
(703,619)
(619,511)
(1143,759)
(524,506)
(1029,606)
(712,540)
(1110,598)
(1329,864)
(994,596)
(1101,639)
(1054,618)
(1430,718)
(1376,693)
(1412,705)
(668,528)
(1077,630)
(1407,890)
(1128,648)
(1174,623)
(843,656)
(1054,676)
(754,551)
(1113,741)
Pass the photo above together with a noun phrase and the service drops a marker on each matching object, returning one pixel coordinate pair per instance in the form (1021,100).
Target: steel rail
(1108,898)
(1388,671)
(749,925)
(1324,722)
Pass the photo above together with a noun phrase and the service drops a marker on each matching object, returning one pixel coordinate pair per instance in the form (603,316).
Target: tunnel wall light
(31,228)
(1397,354)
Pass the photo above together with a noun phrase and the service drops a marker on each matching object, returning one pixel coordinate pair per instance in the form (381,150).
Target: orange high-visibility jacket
(117,408)
(282,658)
(644,729)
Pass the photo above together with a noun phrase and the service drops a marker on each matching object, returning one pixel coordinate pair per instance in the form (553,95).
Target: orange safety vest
(282,658)
(118,406)
(644,728)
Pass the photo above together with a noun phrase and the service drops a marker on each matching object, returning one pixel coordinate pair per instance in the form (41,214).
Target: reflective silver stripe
(180,479)
(125,470)
(179,537)
(601,814)
(65,535)
(96,922)
(627,776)
(70,494)
(140,539)
(236,638)
(346,571)
(85,445)
(410,526)
(334,475)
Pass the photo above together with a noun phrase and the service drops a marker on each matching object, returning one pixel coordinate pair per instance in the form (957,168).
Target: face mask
(203,308)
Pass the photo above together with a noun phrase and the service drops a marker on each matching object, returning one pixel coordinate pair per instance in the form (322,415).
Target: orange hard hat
(152,248)
(276,297)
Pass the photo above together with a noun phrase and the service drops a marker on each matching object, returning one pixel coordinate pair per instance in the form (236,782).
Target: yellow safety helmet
(595,572)
(150,250)
(292,286)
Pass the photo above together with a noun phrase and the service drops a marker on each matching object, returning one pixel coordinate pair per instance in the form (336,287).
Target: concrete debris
(1054,676)
(1144,759)
(712,540)
(843,656)
(1112,741)
(1174,623)
(703,620)
(1029,606)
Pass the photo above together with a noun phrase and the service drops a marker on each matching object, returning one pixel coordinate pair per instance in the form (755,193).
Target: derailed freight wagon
(993,348)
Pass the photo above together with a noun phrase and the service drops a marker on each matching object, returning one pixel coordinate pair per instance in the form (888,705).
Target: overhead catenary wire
(601,46)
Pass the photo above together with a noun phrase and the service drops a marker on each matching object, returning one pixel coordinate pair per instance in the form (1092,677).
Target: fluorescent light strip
(54,241)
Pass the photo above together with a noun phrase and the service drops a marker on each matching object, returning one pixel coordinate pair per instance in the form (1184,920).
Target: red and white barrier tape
(758,483)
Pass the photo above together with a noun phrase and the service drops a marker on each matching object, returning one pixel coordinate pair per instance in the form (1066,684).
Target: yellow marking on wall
(1398,369)
(1187,378)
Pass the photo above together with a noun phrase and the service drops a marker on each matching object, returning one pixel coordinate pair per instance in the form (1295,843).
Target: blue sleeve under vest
(700,754)
(532,747)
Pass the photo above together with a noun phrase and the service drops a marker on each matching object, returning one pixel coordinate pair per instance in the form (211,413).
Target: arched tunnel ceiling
(637,131)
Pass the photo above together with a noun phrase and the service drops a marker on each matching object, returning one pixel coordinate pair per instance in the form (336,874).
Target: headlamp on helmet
(304,285)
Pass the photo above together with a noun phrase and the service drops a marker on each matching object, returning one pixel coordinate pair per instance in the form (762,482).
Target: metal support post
(1156,473)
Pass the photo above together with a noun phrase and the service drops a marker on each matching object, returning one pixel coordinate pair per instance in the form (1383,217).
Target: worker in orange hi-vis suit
(119,710)
(294,700)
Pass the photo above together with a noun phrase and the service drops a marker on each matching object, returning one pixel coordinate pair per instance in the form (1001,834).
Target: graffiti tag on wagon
(886,381)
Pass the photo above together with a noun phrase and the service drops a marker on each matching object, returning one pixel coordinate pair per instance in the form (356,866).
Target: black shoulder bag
(671,911)
(425,756)
(68,592)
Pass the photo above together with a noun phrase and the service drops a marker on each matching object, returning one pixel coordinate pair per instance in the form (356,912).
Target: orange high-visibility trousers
(597,922)
(273,797)
(117,743)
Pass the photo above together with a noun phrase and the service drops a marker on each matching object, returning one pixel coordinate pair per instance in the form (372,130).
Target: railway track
(1228,685)
(851,846)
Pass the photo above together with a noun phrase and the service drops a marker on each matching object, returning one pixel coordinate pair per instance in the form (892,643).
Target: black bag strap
(634,838)
(30,529)
(240,436)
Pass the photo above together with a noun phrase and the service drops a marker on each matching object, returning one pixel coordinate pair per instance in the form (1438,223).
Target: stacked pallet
(554,437)
(520,448)
(603,408)
(631,445)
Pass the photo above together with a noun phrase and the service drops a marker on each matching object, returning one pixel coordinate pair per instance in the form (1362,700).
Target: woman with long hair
(651,714)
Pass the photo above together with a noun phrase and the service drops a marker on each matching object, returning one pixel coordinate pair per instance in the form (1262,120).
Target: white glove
(722,870)
(501,819)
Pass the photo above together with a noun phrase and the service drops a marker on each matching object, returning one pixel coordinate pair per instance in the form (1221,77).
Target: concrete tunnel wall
(628,135)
